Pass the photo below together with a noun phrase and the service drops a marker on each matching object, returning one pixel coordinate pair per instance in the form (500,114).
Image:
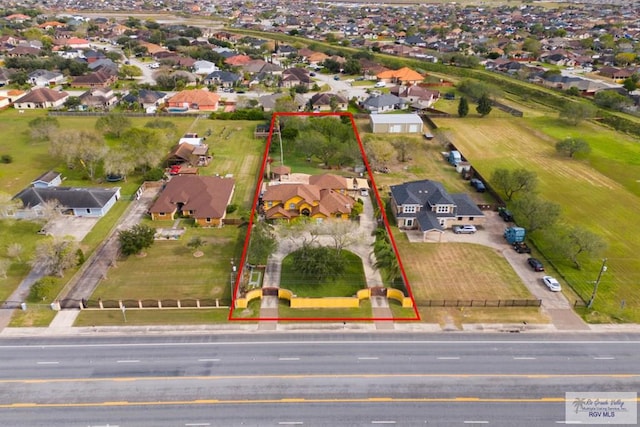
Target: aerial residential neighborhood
(277,185)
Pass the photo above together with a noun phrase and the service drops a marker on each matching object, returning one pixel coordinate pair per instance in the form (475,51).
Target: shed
(396,123)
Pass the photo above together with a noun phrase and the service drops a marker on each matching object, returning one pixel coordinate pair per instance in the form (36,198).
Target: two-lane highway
(324,379)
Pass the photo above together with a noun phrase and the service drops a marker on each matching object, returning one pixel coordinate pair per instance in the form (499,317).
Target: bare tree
(4,267)
(343,233)
(56,255)
(82,147)
(14,250)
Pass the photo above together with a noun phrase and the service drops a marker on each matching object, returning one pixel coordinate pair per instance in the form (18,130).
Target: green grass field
(152,317)
(599,192)
(346,285)
(169,269)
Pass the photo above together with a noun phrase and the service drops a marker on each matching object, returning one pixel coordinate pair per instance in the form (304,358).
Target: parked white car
(551,283)
(464,229)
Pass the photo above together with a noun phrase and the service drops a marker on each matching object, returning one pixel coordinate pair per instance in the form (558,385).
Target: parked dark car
(535,264)
(505,214)
(478,185)
(522,248)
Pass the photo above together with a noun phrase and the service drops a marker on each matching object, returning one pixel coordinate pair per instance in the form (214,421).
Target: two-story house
(426,206)
(325,196)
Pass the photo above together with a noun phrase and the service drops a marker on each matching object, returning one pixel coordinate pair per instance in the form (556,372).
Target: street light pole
(603,268)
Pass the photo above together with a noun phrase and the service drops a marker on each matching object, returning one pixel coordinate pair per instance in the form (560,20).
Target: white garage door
(395,128)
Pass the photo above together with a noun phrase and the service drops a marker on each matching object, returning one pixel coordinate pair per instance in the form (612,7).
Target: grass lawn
(458,271)
(599,192)
(169,269)
(235,151)
(459,316)
(399,312)
(363,312)
(35,316)
(152,317)
(348,284)
(25,233)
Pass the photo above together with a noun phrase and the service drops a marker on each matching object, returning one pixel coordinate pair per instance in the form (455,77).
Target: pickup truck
(521,248)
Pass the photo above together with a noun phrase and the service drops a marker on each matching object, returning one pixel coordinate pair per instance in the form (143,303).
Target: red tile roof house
(197,99)
(203,198)
(41,98)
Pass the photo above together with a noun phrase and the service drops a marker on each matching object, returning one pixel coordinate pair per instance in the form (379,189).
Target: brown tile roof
(206,196)
(329,181)
(42,95)
(238,60)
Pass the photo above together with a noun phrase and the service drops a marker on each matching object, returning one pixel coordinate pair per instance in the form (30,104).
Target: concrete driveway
(75,226)
(491,234)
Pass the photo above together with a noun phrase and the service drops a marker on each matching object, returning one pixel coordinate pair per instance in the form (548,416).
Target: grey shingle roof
(69,197)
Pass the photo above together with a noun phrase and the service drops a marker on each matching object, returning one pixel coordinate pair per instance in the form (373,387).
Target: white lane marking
(288,358)
(449,358)
(128,361)
(208,360)
(320,342)
(197,424)
(48,363)
(604,358)
(476,422)
(524,358)
(290,423)
(568,422)
(368,358)
(383,422)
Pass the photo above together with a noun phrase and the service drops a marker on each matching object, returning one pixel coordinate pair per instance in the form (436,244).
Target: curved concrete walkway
(362,246)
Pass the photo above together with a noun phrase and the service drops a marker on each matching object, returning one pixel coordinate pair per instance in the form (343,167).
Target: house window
(459,218)
(409,209)
(269,204)
(470,218)
(208,220)
(88,210)
(161,214)
(442,209)
(292,206)
(408,222)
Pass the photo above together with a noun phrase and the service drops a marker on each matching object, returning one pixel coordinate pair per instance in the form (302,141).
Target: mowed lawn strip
(458,271)
(362,312)
(152,316)
(170,271)
(588,197)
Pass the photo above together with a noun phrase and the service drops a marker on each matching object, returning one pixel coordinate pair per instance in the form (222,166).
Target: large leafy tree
(463,107)
(114,124)
(484,105)
(534,213)
(573,146)
(318,262)
(136,239)
(577,243)
(514,181)
(575,112)
(263,243)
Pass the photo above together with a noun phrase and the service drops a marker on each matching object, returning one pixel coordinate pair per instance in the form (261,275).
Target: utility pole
(603,268)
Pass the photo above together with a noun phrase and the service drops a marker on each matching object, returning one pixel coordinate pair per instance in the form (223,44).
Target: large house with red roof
(41,98)
(196,99)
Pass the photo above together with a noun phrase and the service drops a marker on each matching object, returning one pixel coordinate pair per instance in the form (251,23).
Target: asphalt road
(324,379)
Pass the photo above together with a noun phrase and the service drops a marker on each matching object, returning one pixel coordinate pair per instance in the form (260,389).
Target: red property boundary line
(256,196)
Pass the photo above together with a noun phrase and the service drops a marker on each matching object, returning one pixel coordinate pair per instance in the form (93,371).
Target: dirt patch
(198,254)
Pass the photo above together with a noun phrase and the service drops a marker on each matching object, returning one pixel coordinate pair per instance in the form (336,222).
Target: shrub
(6,158)
(43,289)
(232,208)
(155,174)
